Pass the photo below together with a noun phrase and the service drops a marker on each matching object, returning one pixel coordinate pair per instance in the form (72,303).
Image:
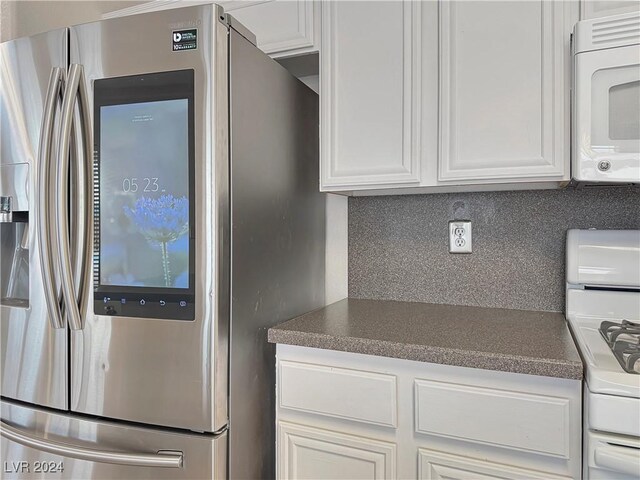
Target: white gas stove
(603,310)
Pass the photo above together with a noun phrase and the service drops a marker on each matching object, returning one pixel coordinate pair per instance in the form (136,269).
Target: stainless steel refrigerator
(159,210)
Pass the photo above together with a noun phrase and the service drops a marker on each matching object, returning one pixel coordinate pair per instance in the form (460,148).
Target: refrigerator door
(38,444)
(157,91)
(33,339)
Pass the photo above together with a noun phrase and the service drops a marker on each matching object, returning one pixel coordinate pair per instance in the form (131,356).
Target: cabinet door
(282,28)
(604,8)
(369,93)
(436,465)
(504,91)
(305,452)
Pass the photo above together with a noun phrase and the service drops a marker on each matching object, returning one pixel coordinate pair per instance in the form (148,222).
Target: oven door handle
(46,241)
(617,458)
(160,459)
(73,279)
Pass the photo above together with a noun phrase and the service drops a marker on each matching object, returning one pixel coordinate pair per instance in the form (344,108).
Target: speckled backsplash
(398,245)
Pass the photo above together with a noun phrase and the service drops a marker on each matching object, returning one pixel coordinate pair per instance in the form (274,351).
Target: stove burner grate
(624,340)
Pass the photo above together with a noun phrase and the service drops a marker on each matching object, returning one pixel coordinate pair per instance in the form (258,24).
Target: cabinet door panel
(534,423)
(605,8)
(436,465)
(311,453)
(369,80)
(502,90)
(282,28)
(363,396)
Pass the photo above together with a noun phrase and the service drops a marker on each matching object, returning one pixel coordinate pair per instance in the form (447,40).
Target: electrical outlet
(459,236)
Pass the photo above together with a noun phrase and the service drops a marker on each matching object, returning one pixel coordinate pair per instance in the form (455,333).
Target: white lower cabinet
(488,415)
(351,416)
(313,453)
(435,465)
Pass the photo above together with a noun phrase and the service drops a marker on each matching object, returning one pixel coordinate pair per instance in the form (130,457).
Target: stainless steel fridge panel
(33,355)
(25,66)
(278,246)
(39,444)
(165,372)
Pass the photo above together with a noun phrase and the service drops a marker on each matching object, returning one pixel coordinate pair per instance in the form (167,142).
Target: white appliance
(606,100)
(603,310)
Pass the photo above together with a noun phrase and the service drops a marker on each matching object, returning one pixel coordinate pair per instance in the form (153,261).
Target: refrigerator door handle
(46,241)
(82,208)
(74,88)
(161,459)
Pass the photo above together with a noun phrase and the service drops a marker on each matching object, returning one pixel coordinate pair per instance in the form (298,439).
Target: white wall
(337,245)
(337,236)
(22,18)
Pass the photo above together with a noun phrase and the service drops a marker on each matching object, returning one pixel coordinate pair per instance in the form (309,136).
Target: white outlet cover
(460,236)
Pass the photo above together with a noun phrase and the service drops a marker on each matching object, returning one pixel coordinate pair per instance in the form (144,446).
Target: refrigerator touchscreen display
(144,259)
(144,194)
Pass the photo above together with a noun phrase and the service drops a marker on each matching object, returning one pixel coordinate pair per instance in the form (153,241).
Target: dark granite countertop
(519,341)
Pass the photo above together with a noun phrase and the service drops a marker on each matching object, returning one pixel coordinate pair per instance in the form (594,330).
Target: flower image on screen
(144,194)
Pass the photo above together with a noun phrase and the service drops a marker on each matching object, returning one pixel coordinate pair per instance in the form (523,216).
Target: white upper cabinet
(445,95)
(282,27)
(604,8)
(369,80)
(504,91)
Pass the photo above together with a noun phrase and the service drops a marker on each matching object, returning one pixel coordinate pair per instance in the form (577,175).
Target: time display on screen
(144,194)
(148,184)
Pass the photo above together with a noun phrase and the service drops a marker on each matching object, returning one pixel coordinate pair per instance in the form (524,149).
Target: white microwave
(606,100)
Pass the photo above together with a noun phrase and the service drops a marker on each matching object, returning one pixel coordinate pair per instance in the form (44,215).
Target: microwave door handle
(82,194)
(46,241)
(62,190)
(160,459)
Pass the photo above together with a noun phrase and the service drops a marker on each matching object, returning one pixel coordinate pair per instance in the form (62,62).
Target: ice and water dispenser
(14,235)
